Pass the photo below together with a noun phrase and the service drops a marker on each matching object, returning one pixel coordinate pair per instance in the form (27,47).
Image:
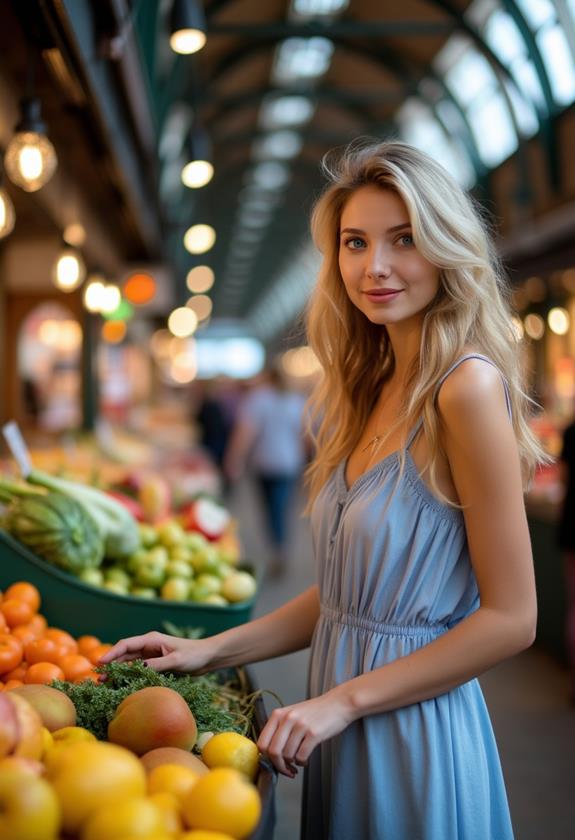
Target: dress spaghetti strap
(416,429)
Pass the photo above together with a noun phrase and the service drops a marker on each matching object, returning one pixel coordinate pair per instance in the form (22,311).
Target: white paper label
(17,446)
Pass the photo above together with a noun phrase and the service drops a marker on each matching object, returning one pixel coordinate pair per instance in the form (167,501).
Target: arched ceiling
(425,70)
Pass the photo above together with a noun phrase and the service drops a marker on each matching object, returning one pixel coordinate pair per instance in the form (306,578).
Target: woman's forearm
(449,661)
(283,631)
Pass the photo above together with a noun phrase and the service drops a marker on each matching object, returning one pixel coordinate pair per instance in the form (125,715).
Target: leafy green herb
(218,701)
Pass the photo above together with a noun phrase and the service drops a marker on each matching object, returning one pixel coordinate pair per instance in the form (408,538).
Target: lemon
(223,800)
(205,835)
(169,806)
(229,749)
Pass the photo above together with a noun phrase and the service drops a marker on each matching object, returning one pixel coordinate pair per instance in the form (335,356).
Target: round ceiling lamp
(7,213)
(199,238)
(200,279)
(187,27)
(30,159)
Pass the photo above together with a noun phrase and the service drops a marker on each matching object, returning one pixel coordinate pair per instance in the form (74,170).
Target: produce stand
(88,609)
(267,776)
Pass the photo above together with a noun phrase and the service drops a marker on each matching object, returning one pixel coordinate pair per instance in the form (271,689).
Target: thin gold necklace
(373,441)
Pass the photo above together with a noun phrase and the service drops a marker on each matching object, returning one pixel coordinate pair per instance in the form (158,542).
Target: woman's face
(383,273)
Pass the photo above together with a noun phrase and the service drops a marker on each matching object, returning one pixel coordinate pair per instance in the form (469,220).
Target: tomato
(96,653)
(62,639)
(42,650)
(12,684)
(87,643)
(16,612)
(26,592)
(92,676)
(43,673)
(74,665)
(3,625)
(11,652)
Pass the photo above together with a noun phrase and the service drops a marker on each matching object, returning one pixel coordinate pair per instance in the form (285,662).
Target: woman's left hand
(292,732)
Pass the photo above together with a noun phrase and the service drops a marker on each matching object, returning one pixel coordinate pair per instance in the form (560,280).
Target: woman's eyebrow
(393,229)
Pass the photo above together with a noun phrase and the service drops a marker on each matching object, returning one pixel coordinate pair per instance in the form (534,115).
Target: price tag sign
(17,446)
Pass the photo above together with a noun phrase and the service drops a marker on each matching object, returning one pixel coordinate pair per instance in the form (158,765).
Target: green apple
(143,592)
(176,589)
(148,535)
(171,533)
(93,576)
(115,573)
(215,599)
(136,559)
(211,583)
(180,553)
(178,568)
(114,586)
(224,570)
(195,541)
(206,560)
(239,586)
(150,574)
(159,555)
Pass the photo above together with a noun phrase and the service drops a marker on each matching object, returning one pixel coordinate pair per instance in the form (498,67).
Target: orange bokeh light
(140,288)
(113,332)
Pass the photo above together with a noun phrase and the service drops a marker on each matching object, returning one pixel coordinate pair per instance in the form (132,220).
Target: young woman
(425,569)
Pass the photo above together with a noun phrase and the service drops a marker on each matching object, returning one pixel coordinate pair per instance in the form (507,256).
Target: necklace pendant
(371,442)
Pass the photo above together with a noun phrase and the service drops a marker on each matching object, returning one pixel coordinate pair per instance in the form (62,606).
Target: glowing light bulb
(7,214)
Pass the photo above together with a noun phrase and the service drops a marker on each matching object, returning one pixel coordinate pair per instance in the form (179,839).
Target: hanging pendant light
(69,270)
(7,214)
(187,27)
(199,170)
(30,159)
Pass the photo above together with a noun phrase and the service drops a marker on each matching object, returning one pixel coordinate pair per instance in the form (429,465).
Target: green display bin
(83,609)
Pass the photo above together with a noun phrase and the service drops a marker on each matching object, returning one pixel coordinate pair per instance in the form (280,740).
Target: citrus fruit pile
(32,652)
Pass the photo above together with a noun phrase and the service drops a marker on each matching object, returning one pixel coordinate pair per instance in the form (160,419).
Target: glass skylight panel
(283,145)
(469,77)
(302,58)
(524,112)
(317,8)
(537,12)
(270,175)
(420,127)
(558,62)
(284,111)
(504,38)
(493,130)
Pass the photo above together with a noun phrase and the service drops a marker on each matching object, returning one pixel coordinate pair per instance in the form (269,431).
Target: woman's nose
(378,265)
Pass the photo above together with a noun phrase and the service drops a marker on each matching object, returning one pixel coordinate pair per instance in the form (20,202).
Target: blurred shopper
(567,543)
(268,440)
(425,575)
(214,421)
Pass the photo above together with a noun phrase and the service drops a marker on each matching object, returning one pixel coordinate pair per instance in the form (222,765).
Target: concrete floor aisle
(527,698)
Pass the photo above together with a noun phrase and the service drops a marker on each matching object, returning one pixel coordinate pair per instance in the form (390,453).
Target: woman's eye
(406,239)
(355,243)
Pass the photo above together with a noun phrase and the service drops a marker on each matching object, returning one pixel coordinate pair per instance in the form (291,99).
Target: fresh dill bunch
(217,703)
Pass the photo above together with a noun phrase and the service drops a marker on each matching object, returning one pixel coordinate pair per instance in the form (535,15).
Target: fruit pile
(57,779)
(177,565)
(31,652)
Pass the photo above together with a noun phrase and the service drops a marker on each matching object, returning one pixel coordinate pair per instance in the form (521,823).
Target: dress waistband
(383,627)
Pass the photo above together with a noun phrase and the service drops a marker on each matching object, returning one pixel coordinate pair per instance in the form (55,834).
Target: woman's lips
(382,295)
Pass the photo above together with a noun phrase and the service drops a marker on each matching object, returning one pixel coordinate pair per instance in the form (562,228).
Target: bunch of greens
(218,701)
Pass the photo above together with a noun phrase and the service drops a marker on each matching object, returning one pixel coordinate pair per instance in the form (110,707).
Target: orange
(3,625)
(16,612)
(75,666)
(12,684)
(136,817)
(96,653)
(43,673)
(169,806)
(87,643)
(62,639)
(16,673)
(72,734)
(11,652)
(41,650)
(25,633)
(92,676)
(39,623)
(172,778)
(26,592)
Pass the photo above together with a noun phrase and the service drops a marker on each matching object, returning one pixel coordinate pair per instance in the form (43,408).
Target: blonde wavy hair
(471,309)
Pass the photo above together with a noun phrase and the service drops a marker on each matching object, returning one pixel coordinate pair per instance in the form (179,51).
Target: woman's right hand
(163,653)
